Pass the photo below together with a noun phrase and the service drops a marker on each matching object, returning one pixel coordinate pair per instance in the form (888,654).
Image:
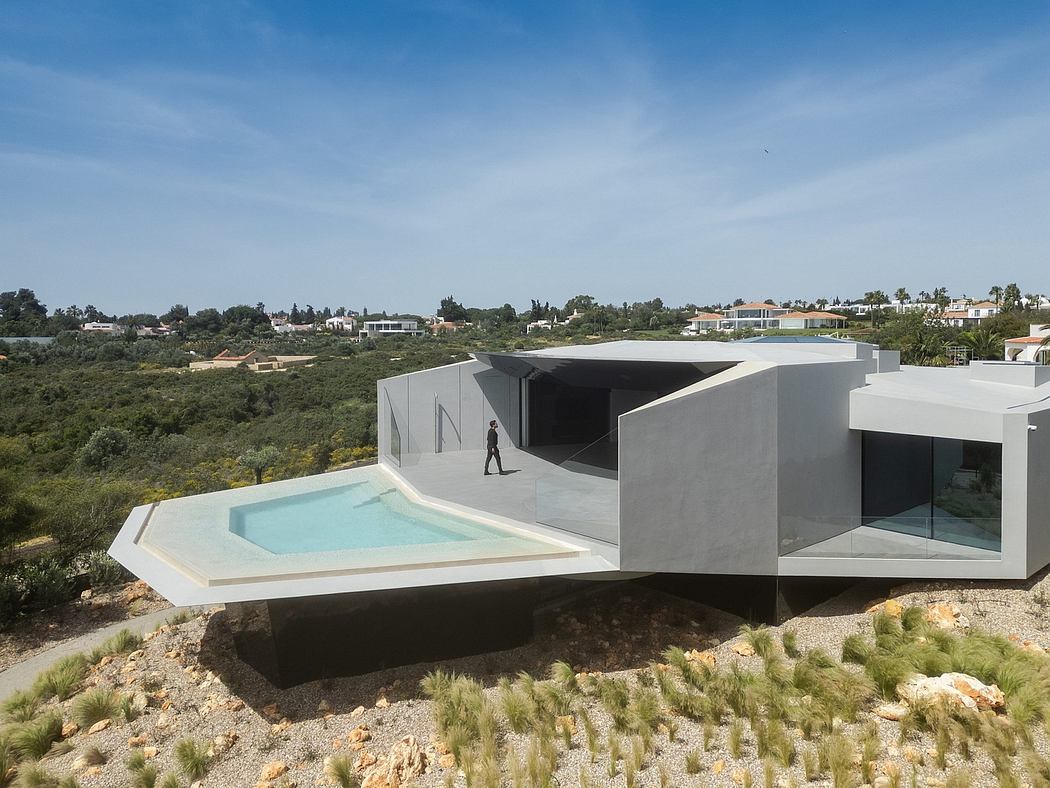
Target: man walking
(492,441)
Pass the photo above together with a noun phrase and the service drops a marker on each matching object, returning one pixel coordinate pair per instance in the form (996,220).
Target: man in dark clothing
(491,441)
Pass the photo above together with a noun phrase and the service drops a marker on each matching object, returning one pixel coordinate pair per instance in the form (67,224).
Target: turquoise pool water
(350,517)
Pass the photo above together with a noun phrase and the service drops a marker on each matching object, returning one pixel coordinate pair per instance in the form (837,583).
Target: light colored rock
(270,710)
(946,615)
(567,721)
(359,734)
(272,771)
(99,726)
(447,761)
(382,703)
(400,767)
(891,607)
(87,594)
(324,707)
(280,727)
(743,648)
(1031,645)
(960,690)
(163,721)
(364,760)
(357,712)
(138,741)
(69,729)
(701,657)
(150,752)
(718,766)
(234,704)
(739,776)
(139,702)
(892,711)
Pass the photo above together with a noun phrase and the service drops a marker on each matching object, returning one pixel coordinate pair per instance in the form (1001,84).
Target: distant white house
(391,328)
(756,315)
(340,323)
(102,328)
(812,320)
(962,315)
(703,321)
(282,326)
(1031,347)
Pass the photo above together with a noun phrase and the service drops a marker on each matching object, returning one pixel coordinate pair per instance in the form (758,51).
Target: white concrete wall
(464,396)
(698,477)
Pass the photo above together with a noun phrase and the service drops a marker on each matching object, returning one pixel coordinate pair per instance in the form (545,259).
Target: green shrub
(35,776)
(102,570)
(104,447)
(340,770)
(789,640)
(11,599)
(856,649)
(47,583)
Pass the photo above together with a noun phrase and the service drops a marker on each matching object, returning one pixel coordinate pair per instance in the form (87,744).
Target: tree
(452,311)
(309,316)
(875,299)
(940,297)
(902,295)
(177,314)
(258,460)
(1011,297)
(983,344)
(295,317)
(996,293)
(924,297)
(105,445)
(581,303)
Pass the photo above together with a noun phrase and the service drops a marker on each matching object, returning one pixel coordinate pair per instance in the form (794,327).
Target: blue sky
(383,155)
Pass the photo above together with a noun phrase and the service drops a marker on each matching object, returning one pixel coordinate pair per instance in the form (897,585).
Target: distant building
(281,326)
(1030,348)
(152,331)
(703,321)
(754,315)
(102,328)
(812,320)
(446,327)
(346,323)
(964,315)
(255,361)
(391,328)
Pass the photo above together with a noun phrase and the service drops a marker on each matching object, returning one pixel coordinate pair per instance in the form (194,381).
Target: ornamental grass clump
(32,740)
(562,674)
(760,639)
(789,641)
(94,705)
(63,679)
(693,762)
(192,758)
(21,706)
(856,649)
(339,769)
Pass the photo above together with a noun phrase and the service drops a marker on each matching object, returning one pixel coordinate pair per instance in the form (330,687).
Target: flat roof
(957,386)
(698,352)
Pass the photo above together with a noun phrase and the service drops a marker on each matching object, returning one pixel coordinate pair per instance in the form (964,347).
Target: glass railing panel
(943,538)
(580,494)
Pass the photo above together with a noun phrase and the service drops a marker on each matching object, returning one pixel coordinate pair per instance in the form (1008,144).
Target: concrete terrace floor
(580,499)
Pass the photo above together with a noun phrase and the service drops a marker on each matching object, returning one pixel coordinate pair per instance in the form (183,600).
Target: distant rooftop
(774,339)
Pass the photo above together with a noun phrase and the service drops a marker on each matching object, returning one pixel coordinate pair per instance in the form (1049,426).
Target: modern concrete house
(764,460)
(391,328)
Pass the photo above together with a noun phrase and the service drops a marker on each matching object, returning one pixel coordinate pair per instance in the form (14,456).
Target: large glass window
(945,489)
(395,439)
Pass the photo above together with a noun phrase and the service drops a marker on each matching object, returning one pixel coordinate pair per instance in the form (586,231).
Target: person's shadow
(509,471)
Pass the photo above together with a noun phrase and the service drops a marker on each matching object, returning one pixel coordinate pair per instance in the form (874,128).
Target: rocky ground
(190,685)
(49,628)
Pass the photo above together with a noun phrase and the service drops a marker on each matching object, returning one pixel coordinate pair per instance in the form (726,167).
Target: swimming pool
(333,523)
(356,516)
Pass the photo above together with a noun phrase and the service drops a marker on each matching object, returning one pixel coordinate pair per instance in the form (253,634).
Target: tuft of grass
(957,778)
(170,781)
(69,781)
(887,671)
(192,758)
(708,734)
(146,777)
(736,738)
(62,679)
(839,755)
(8,762)
(789,640)
(562,674)
(21,707)
(93,756)
(811,765)
(856,649)
(913,618)
(693,762)
(761,640)
(98,703)
(340,770)
(33,739)
(35,776)
(178,617)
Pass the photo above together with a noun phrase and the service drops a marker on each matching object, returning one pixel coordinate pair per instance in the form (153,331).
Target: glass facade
(395,439)
(943,489)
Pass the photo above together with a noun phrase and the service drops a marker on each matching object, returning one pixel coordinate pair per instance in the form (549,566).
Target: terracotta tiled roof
(227,356)
(956,313)
(705,317)
(983,305)
(825,315)
(755,305)
(811,316)
(1028,340)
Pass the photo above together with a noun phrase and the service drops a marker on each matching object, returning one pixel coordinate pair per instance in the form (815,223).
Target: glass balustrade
(580,494)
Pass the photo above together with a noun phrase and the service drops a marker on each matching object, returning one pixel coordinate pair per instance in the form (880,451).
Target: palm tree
(984,344)
(902,295)
(997,293)
(875,299)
